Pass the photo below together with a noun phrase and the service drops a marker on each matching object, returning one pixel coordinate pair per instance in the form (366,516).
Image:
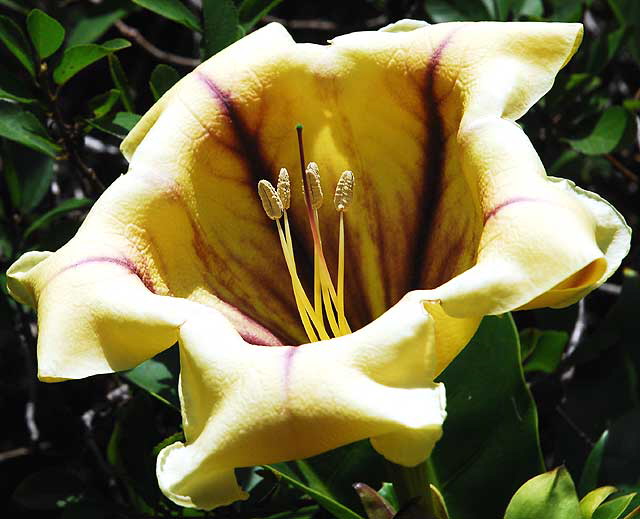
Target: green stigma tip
(299,126)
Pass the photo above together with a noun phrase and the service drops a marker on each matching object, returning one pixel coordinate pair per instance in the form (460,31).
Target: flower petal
(295,402)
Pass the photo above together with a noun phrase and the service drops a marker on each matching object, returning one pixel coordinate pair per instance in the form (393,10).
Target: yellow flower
(450,217)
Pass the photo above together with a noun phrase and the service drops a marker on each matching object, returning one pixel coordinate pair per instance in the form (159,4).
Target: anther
(270,200)
(313,181)
(344,191)
(284,188)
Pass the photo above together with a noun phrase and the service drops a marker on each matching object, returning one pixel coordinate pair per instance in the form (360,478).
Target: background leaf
(251,12)
(491,422)
(14,39)
(162,79)
(81,56)
(22,126)
(61,209)
(220,25)
(173,10)
(549,496)
(45,32)
(606,135)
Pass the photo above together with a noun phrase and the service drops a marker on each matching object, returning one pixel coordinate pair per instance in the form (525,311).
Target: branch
(622,168)
(135,35)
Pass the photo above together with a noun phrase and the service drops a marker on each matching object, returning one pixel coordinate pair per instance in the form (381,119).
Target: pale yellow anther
(344,191)
(284,188)
(313,181)
(270,200)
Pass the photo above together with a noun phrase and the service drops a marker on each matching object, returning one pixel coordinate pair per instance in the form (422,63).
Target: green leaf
(159,376)
(173,10)
(340,511)
(48,489)
(121,82)
(251,12)
(97,20)
(22,126)
(162,79)
(546,347)
(604,49)
(590,502)
(456,10)
(606,135)
(220,25)
(528,8)
(102,104)
(14,5)
(130,451)
(591,470)
(490,434)
(550,495)
(81,56)
(118,125)
(13,89)
(45,32)
(62,208)
(14,39)
(613,509)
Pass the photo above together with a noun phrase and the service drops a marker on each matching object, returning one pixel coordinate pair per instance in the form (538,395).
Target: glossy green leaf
(614,508)
(16,42)
(456,10)
(550,496)
(606,135)
(545,349)
(490,434)
(159,376)
(122,83)
(21,126)
(281,470)
(627,13)
(173,10)
(13,89)
(162,79)
(118,125)
(97,20)
(251,12)
(102,104)
(590,502)
(45,32)
(78,57)
(220,25)
(591,470)
(61,209)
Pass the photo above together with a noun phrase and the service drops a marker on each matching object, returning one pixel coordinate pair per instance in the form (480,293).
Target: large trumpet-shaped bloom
(452,208)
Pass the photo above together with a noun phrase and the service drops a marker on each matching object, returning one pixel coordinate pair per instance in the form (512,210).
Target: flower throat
(328,299)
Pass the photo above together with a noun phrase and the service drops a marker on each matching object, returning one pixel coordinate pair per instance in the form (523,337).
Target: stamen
(284,188)
(315,188)
(344,191)
(270,200)
(342,200)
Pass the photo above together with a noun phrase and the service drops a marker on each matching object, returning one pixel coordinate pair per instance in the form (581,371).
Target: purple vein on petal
(490,214)
(289,353)
(126,263)
(434,167)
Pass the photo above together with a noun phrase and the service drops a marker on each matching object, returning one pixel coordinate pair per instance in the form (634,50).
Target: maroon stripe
(433,179)
(289,353)
(122,262)
(507,203)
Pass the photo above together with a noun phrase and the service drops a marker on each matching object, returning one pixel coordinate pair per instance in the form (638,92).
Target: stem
(412,487)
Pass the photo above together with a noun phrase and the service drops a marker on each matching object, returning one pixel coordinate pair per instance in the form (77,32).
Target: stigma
(323,315)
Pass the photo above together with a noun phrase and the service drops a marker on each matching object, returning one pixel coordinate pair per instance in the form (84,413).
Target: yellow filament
(344,326)
(302,303)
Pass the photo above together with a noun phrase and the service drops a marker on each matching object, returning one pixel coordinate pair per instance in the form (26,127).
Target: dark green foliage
(64,110)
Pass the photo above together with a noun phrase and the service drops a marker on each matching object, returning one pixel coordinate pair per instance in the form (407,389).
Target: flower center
(328,301)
